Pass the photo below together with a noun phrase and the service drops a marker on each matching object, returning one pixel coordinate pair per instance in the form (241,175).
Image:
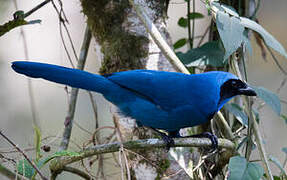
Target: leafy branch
(19,19)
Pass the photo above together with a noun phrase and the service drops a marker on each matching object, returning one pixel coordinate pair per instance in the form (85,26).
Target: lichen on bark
(122,50)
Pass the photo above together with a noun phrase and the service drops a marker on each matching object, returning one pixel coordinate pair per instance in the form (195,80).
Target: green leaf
(268,38)
(238,113)
(25,168)
(37,21)
(269,98)
(210,53)
(182,22)
(195,15)
(44,161)
(230,31)
(240,169)
(179,43)
(225,8)
(278,164)
(37,141)
(276,178)
(284,117)
(284,150)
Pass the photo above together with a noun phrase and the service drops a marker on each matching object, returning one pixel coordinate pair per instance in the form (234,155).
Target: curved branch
(77,171)
(58,165)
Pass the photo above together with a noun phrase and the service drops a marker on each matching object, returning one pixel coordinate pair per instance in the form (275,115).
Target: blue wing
(160,86)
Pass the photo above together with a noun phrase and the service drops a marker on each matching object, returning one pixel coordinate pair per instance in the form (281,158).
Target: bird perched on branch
(160,100)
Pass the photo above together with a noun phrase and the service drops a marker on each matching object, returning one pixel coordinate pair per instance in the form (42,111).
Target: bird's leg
(212,137)
(168,140)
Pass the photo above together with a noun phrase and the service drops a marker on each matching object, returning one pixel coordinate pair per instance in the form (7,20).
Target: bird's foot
(213,138)
(169,142)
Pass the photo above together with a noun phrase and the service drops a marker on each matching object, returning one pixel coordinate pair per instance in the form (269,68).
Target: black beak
(248,91)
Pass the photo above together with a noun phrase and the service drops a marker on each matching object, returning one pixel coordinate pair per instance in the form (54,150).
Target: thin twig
(282,84)
(64,44)
(25,156)
(94,140)
(203,36)
(121,164)
(193,23)
(74,92)
(96,137)
(82,128)
(64,19)
(276,60)
(36,8)
(259,141)
(77,171)
(121,150)
(62,22)
(190,39)
(86,169)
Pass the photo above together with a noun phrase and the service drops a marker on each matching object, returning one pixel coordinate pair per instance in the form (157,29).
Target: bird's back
(169,100)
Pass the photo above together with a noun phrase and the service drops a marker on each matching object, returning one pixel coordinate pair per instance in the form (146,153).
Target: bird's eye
(233,83)
(237,84)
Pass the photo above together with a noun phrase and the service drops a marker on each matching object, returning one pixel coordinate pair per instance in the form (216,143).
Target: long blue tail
(72,77)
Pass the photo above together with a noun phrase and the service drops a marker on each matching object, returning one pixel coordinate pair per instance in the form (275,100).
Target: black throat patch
(230,89)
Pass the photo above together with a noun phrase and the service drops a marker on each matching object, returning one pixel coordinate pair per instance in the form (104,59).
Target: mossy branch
(58,165)
(19,19)
(11,25)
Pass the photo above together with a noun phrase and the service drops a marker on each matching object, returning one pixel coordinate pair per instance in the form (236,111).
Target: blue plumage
(156,99)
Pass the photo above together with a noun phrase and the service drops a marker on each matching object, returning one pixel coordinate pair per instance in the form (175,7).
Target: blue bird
(156,99)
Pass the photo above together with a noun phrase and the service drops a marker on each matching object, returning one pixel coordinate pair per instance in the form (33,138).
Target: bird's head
(232,86)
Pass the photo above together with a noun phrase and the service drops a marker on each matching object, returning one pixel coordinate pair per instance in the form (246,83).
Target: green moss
(124,53)
(163,165)
(121,49)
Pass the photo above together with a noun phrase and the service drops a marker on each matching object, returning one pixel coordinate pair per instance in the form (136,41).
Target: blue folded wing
(169,90)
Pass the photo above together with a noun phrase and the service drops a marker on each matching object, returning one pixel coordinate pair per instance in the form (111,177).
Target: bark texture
(125,44)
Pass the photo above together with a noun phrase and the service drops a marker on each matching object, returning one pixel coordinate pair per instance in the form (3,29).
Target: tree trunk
(125,44)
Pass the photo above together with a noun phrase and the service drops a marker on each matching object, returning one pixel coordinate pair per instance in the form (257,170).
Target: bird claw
(169,142)
(214,140)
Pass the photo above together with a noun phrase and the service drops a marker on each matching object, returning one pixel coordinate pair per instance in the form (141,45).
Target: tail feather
(72,77)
